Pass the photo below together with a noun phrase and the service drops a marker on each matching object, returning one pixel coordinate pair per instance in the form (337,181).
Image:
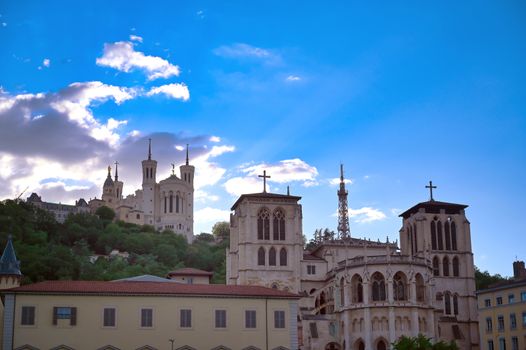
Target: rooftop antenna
(149,149)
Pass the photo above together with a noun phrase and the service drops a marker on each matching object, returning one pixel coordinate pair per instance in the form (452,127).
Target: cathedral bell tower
(108,191)
(149,170)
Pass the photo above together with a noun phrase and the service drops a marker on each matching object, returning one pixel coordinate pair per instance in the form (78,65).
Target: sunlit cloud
(177,91)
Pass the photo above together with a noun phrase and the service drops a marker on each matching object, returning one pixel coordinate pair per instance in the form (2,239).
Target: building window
(28,316)
(487,302)
(453,236)
(220,318)
(455,304)
(250,318)
(65,313)
(490,345)
(433,235)
(146,318)
(311,269)
(283,257)
(186,318)
(524,319)
(499,300)
(272,257)
(514,343)
(357,289)
(436,269)
(500,323)
(261,256)
(399,284)
(171,203)
(264,224)
(279,225)
(523,296)
(439,236)
(445,266)
(502,344)
(447,303)
(448,234)
(420,288)
(489,324)
(176,203)
(511,298)
(456,270)
(279,319)
(109,317)
(513,321)
(378,287)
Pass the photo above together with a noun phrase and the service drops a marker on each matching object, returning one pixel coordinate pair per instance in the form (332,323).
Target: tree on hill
(221,230)
(422,343)
(484,279)
(105,213)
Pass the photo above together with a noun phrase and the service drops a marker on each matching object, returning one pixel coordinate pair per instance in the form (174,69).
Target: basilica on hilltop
(356,293)
(166,205)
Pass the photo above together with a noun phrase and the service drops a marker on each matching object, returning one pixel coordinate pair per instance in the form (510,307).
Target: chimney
(519,271)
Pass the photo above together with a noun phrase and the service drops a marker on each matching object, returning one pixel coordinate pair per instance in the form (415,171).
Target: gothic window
(279,225)
(177,203)
(171,202)
(323,301)
(420,288)
(447,303)
(342,292)
(272,257)
(448,233)
(399,286)
(264,224)
(436,269)
(283,257)
(456,271)
(165,201)
(455,304)
(357,289)
(261,256)
(439,235)
(378,287)
(433,235)
(381,345)
(453,236)
(415,240)
(445,266)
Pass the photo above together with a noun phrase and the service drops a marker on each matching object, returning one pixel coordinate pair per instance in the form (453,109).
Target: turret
(149,170)
(10,274)
(187,171)
(108,190)
(118,184)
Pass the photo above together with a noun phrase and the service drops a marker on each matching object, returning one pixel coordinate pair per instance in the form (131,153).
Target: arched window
(399,286)
(447,303)
(342,292)
(439,236)
(420,288)
(165,202)
(323,301)
(177,203)
(272,257)
(433,235)
(261,256)
(453,236)
(456,269)
(436,269)
(381,345)
(279,225)
(378,287)
(448,233)
(264,224)
(283,257)
(455,304)
(171,202)
(445,266)
(357,289)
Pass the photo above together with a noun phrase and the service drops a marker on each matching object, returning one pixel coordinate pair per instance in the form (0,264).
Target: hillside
(49,250)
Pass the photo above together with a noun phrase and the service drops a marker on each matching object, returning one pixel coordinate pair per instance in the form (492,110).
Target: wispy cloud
(177,91)
(136,38)
(122,56)
(366,214)
(292,78)
(243,51)
(336,181)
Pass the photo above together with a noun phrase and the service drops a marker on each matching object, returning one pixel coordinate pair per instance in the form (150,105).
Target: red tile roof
(190,271)
(148,288)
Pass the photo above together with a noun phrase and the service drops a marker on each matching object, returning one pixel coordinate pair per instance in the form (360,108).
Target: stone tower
(440,232)
(187,175)
(266,241)
(149,170)
(108,191)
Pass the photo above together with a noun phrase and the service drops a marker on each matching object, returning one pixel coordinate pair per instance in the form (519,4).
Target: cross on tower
(265,177)
(116,170)
(173,169)
(431,189)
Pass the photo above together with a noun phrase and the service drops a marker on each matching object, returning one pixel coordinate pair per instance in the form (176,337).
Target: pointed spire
(288,190)
(9,265)
(149,149)
(116,171)
(341,172)
(344,230)
(187,160)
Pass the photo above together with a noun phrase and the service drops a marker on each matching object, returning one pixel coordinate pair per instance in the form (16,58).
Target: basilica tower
(149,170)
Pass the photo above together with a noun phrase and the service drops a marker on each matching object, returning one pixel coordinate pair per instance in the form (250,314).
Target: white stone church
(166,205)
(359,294)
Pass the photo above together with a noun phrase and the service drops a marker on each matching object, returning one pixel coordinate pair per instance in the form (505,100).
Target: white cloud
(366,214)
(46,62)
(336,181)
(122,56)
(215,139)
(241,50)
(293,78)
(178,91)
(237,186)
(211,215)
(136,38)
(204,197)
(200,14)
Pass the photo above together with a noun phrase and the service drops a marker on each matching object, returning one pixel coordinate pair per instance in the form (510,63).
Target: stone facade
(166,205)
(59,210)
(359,294)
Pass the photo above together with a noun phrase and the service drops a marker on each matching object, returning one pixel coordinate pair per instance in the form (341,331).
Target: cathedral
(166,205)
(356,293)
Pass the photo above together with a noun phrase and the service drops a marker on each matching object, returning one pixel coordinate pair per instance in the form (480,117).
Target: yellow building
(148,315)
(502,313)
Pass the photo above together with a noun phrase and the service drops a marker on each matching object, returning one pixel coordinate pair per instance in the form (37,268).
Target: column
(367,317)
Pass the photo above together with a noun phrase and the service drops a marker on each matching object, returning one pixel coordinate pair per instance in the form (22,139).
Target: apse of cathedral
(166,205)
(357,293)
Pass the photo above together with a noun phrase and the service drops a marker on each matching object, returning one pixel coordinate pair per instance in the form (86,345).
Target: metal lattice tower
(344,230)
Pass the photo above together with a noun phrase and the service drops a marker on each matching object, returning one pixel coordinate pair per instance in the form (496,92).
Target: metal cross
(431,189)
(173,169)
(265,177)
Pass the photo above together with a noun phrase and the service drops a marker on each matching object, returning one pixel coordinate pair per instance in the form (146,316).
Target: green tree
(105,213)
(421,343)
(221,230)
(484,279)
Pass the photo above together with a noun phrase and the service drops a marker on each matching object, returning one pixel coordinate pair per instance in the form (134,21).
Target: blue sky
(401,93)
